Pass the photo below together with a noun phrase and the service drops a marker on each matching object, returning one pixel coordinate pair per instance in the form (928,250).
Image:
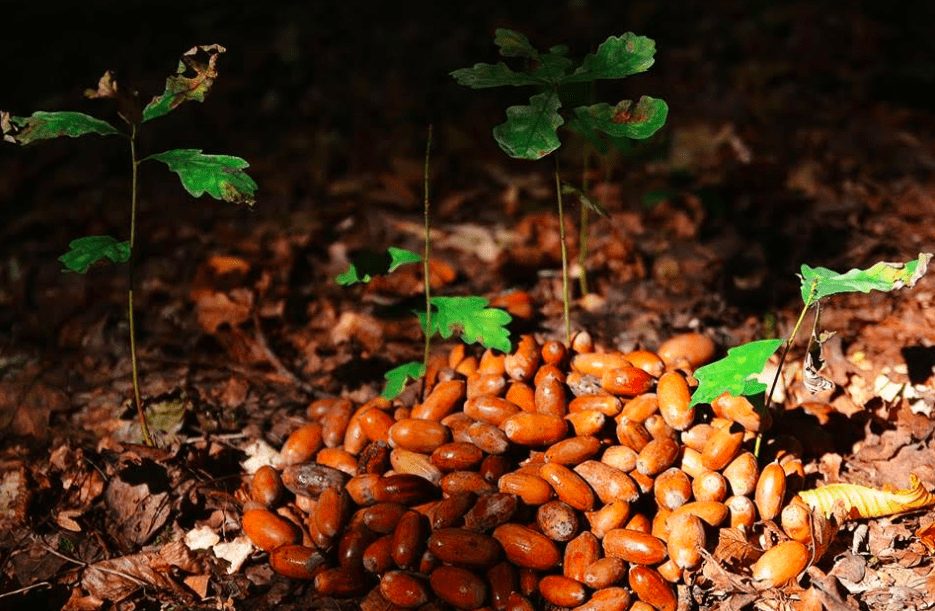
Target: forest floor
(765,164)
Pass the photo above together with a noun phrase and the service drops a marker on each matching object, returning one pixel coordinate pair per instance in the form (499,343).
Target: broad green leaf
(529,131)
(398,377)
(43,125)
(85,252)
(592,204)
(818,282)
(625,120)
(472,319)
(514,44)
(617,57)
(367,264)
(181,87)
(220,176)
(736,373)
(483,76)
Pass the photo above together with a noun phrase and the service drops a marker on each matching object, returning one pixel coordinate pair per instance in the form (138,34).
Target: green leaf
(400,257)
(484,76)
(182,88)
(220,176)
(472,319)
(530,131)
(736,373)
(625,120)
(818,282)
(514,44)
(85,252)
(367,264)
(617,57)
(43,125)
(397,378)
(592,204)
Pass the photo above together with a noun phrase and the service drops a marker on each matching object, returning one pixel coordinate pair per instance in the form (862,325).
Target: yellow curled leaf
(863,502)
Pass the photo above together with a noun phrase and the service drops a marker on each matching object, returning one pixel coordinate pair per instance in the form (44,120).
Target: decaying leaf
(819,282)
(181,88)
(115,579)
(814,359)
(864,502)
(43,125)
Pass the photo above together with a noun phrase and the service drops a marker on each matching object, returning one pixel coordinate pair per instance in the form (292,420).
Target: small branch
(561,236)
(274,360)
(137,399)
(425,256)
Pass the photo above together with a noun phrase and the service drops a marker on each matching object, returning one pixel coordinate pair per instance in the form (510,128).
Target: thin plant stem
(782,359)
(425,256)
(134,171)
(584,229)
(561,236)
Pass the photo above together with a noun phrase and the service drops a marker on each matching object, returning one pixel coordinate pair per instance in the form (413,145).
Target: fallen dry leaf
(115,579)
(863,502)
(137,511)
(235,552)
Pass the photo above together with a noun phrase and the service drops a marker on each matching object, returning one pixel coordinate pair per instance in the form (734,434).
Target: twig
(41,584)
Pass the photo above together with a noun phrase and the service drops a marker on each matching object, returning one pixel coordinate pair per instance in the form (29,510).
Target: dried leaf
(181,88)
(734,549)
(864,502)
(115,579)
(235,552)
(926,535)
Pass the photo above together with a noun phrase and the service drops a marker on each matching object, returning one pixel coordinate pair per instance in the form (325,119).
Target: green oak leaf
(472,319)
(220,176)
(514,44)
(182,88)
(736,373)
(85,252)
(484,76)
(616,57)
(530,131)
(625,120)
(397,378)
(819,282)
(43,125)
(367,264)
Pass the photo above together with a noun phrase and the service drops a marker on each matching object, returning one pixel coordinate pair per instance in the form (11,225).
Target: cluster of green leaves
(220,176)
(737,373)
(531,130)
(470,318)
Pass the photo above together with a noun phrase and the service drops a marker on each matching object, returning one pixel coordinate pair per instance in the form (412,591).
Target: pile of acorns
(578,478)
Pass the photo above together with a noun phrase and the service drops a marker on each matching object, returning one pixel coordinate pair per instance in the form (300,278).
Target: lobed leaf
(368,264)
(514,44)
(484,76)
(43,125)
(182,88)
(85,252)
(530,131)
(625,120)
(736,373)
(819,282)
(471,319)
(397,378)
(616,57)
(220,176)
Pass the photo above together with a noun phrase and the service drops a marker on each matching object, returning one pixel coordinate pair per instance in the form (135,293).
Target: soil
(798,133)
